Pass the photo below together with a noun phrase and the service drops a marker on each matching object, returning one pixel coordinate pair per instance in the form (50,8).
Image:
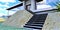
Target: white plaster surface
(19,19)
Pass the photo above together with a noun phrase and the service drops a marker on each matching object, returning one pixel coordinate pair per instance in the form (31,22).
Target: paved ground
(3,27)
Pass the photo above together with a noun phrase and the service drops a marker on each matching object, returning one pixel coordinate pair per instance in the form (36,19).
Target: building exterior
(36,18)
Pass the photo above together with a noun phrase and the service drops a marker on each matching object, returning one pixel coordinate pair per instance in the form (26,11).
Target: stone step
(37,21)
(35,27)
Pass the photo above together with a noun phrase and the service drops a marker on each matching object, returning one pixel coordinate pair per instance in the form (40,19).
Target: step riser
(35,25)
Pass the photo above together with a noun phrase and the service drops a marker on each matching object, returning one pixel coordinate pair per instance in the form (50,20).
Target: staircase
(36,22)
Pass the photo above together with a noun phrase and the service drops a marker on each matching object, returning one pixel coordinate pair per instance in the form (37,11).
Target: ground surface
(3,27)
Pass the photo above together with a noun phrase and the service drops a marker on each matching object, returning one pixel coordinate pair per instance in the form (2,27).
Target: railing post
(33,5)
(24,5)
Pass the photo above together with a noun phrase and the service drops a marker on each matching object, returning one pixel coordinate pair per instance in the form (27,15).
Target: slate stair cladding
(36,22)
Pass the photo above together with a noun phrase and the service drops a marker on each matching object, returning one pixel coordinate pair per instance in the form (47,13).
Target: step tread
(35,25)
